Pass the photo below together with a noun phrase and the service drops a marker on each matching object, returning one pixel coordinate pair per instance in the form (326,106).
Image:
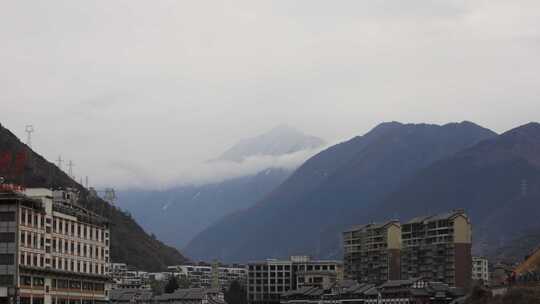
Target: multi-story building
(52,250)
(480,270)
(372,252)
(438,248)
(267,280)
(205,276)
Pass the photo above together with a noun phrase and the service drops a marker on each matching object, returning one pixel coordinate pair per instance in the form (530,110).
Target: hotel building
(52,250)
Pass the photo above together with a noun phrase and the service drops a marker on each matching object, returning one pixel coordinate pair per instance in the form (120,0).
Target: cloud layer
(153,88)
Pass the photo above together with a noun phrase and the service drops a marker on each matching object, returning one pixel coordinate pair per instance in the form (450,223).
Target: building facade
(52,251)
(372,252)
(480,270)
(438,249)
(267,280)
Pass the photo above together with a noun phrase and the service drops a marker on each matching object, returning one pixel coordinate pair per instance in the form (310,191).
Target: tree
(184,282)
(172,285)
(157,287)
(236,294)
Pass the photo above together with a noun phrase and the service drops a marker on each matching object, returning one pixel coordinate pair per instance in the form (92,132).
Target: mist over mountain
(305,214)
(280,140)
(178,214)
(255,166)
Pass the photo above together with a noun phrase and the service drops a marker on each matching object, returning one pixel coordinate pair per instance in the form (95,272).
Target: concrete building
(267,280)
(438,249)
(205,276)
(480,270)
(52,250)
(372,252)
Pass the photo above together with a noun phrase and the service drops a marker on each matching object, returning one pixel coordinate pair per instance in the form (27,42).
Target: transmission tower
(110,196)
(70,168)
(59,162)
(29,129)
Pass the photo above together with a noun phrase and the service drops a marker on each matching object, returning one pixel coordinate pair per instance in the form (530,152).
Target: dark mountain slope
(178,214)
(307,212)
(496,181)
(129,242)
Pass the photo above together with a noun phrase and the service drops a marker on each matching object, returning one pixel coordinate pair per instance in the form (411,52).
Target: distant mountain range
(344,185)
(178,214)
(281,140)
(129,242)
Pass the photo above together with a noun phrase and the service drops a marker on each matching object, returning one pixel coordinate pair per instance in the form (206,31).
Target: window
(7,216)
(7,237)
(23,216)
(26,281)
(39,281)
(6,280)
(7,259)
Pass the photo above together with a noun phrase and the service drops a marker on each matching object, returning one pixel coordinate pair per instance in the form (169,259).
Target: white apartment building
(480,271)
(207,276)
(267,280)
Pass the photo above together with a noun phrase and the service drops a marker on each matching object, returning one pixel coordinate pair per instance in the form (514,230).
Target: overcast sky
(142,91)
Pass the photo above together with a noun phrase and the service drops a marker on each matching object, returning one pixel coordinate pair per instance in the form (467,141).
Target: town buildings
(180,296)
(205,276)
(267,280)
(193,296)
(52,250)
(372,252)
(436,248)
(409,291)
(127,277)
(480,270)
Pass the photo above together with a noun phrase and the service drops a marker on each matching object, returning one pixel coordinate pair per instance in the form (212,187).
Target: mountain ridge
(304,214)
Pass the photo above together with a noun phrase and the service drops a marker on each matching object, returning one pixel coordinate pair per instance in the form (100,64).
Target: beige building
(52,250)
(438,248)
(372,252)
